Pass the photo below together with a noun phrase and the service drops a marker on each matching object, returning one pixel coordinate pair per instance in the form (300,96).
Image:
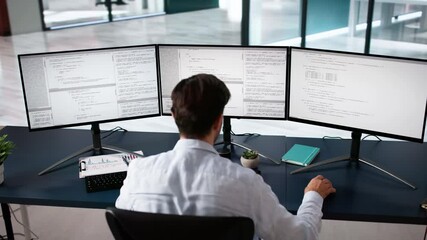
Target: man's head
(197,102)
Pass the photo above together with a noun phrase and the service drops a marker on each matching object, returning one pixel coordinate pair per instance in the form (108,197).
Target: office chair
(131,225)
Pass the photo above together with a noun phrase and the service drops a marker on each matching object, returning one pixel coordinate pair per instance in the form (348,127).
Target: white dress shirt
(192,179)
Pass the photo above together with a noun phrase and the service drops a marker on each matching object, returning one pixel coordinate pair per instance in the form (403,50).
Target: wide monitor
(255,76)
(73,88)
(372,94)
(377,95)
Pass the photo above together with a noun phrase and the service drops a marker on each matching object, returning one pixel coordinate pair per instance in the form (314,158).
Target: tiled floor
(201,27)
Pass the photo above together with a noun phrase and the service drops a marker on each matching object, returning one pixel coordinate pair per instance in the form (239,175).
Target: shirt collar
(195,144)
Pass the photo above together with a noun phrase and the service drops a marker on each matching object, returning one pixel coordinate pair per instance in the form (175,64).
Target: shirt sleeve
(274,221)
(124,200)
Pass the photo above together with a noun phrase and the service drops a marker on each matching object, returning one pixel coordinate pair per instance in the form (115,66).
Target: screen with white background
(379,94)
(72,88)
(255,76)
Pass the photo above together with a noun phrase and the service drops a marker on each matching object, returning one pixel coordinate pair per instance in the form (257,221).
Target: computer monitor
(72,88)
(255,76)
(63,89)
(378,95)
(368,93)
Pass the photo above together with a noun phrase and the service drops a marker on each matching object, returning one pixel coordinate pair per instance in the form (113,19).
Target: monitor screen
(89,86)
(368,93)
(255,76)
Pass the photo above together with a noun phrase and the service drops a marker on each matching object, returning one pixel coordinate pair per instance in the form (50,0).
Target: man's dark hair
(197,102)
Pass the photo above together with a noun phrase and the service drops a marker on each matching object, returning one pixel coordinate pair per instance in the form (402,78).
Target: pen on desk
(125,160)
(128,158)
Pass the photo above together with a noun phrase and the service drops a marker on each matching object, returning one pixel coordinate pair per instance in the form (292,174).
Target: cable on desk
(112,131)
(245,134)
(248,135)
(16,219)
(370,135)
(335,137)
(331,137)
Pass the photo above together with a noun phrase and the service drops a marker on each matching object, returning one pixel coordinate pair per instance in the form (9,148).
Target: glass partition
(61,14)
(275,22)
(137,8)
(400,28)
(57,14)
(336,24)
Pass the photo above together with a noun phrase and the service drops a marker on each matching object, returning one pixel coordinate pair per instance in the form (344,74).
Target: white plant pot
(249,163)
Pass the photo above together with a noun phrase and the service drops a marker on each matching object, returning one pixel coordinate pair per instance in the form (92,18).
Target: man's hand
(321,185)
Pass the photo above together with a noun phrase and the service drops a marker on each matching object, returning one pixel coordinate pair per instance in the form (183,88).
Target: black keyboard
(105,182)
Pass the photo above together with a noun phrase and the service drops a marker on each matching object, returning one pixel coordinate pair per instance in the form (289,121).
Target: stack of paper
(103,164)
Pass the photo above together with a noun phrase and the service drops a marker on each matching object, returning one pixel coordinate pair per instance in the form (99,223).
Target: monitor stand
(353,158)
(96,148)
(227,142)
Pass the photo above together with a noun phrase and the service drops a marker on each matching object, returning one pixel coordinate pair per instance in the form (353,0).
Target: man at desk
(193,179)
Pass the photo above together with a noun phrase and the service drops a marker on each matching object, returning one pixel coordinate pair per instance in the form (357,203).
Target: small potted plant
(250,158)
(5,149)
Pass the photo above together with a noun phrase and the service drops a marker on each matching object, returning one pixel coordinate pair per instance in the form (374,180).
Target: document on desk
(102,164)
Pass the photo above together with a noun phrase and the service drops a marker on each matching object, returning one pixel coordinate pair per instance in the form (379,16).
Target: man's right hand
(321,185)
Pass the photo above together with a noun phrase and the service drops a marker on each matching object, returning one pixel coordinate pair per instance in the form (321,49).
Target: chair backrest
(131,225)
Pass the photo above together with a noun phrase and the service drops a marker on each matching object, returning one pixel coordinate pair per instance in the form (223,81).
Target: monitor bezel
(343,127)
(88,122)
(286,48)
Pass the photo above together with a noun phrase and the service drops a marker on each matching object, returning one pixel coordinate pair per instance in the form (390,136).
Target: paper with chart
(102,164)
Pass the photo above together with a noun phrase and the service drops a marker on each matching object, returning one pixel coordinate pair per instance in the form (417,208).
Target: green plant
(6,148)
(250,154)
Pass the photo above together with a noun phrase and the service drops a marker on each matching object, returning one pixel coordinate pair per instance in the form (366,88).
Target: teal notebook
(300,154)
